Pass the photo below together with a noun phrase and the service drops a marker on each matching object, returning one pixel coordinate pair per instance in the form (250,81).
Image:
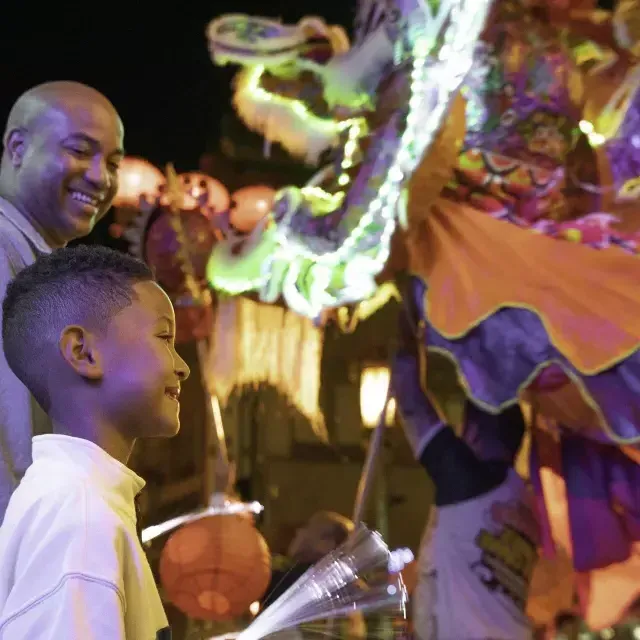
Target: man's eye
(79,151)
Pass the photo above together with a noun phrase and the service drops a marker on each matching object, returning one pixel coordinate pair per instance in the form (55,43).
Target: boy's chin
(164,429)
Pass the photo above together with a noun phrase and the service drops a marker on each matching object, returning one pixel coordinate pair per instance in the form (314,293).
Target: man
(479,551)
(324,532)
(63,143)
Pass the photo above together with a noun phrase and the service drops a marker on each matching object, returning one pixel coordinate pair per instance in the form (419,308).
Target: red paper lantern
(193,322)
(201,190)
(164,253)
(215,568)
(137,177)
(249,205)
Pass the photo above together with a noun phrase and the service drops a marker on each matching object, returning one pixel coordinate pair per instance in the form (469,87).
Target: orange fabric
(474,265)
(606,594)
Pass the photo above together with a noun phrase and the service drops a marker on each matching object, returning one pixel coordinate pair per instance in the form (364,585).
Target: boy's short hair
(84,285)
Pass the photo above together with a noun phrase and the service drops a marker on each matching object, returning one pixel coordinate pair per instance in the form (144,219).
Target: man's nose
(97,172)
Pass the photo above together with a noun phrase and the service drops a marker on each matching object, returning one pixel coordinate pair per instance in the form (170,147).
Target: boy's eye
(167,337)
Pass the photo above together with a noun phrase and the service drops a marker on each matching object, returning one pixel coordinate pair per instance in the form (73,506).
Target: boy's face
(142,370)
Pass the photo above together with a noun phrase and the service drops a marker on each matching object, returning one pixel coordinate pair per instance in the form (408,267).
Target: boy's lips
(173,393)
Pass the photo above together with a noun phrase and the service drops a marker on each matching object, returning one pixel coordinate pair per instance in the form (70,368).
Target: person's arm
(457,473)
(77,608)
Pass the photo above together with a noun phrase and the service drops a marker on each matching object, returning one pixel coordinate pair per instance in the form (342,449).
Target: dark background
(150,59)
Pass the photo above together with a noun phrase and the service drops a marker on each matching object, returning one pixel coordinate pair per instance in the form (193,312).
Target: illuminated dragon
(495,140)
(325,243)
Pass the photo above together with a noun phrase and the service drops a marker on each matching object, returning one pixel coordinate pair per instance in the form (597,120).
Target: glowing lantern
(374,385)
(249,206)
(198,186)
(216,568)
(163,251)
(137,177)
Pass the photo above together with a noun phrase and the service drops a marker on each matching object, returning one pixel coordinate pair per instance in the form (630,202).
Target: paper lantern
(193,322)
(165,254)
(204,191)
(136,178)
(215,568)
(249,205)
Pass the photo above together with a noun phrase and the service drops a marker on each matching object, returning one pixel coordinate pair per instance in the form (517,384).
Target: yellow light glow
(374,385)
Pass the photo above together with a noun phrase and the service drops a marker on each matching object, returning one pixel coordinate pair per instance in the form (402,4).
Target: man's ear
(15,144)
(79,349)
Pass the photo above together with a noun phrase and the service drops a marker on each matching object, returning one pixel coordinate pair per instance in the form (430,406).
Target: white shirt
(21,417)
(475,568)
(71,564)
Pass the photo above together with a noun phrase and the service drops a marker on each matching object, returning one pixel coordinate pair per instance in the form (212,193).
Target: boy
(479,550)
(91,335)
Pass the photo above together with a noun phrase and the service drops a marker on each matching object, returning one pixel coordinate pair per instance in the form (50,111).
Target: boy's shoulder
(72,529)
(74,509)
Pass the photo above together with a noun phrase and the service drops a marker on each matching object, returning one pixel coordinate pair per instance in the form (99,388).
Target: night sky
(151,61)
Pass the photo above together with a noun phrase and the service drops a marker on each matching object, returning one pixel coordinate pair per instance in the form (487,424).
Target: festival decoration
(532,192)
(174,232)
(219,505)
(255,343)
(204,193)
(137,179)
(215,568)
(250,205)
(352,578)
(326,248)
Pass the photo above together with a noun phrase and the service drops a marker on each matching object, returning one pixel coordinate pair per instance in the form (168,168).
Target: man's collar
(23,225)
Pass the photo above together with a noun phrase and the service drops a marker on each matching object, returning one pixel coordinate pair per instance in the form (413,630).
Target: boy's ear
(79,349)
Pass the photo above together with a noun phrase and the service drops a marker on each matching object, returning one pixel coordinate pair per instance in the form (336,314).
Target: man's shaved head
(322,533)
(63,142)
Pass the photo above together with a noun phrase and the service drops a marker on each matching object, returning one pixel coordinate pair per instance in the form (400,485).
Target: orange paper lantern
(249,205)
(215,568)
(137,177)
(196,185)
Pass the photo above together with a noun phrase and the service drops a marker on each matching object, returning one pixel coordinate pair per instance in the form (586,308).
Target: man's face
(142,370)
(68,171)
(312,541)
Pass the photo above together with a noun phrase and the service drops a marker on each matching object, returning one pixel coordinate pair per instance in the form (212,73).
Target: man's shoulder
(14,247)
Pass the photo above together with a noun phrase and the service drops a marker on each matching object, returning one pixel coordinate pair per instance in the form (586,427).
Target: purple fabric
(497,357)
(603,489)
(624,150)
